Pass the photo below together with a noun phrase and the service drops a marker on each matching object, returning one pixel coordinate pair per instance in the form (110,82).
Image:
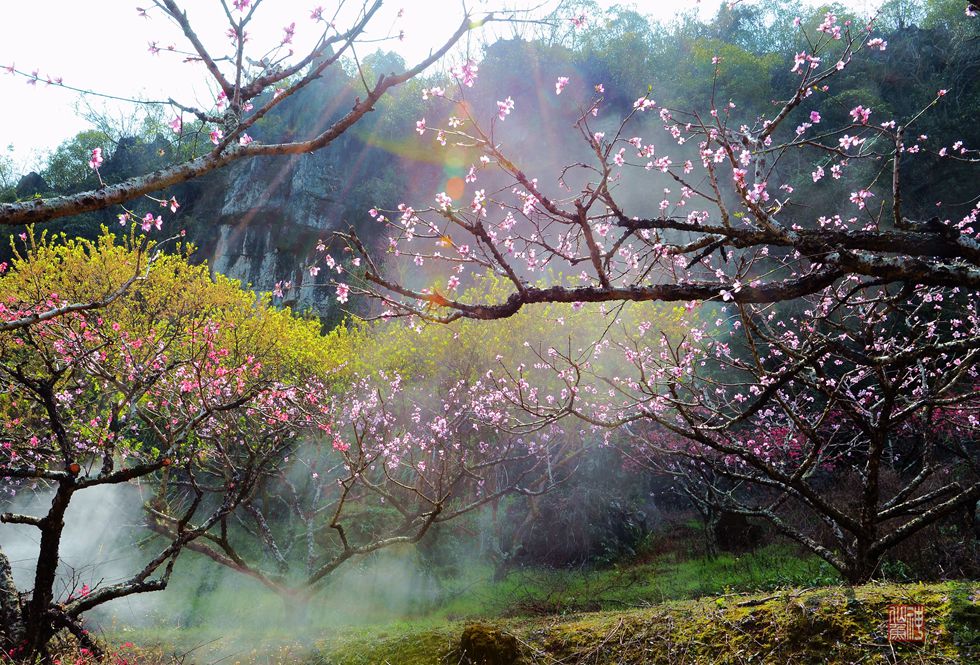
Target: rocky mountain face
(259,221)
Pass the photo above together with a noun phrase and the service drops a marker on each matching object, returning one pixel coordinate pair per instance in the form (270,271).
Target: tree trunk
(862,565)
(39,628)
(710,521)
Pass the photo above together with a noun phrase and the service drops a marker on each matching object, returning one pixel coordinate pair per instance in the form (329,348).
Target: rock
(31,184)
(263,219)
(482,644)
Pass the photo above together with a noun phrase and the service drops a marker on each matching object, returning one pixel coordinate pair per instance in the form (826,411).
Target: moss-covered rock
(483,644)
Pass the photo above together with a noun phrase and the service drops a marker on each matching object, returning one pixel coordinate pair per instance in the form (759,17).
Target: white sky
(102,45)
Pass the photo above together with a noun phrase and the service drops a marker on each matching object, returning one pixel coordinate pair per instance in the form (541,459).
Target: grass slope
(824,625)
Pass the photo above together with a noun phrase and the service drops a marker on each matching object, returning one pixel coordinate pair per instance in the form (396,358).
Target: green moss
(829,625)
(405,648)
(964,622)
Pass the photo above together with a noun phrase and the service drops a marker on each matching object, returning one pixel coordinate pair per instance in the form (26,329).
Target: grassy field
(204,602)
(640,584)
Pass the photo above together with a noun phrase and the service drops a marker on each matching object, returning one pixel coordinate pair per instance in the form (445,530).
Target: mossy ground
(771,605)
(826,625)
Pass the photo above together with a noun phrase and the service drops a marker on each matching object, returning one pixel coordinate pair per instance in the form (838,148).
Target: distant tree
(68,169)
(849,425)
(405,459)
(8,173)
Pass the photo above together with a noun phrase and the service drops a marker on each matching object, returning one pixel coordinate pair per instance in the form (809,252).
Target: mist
(105,542)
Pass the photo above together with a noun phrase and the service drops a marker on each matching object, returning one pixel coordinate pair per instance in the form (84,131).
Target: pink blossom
(343,292)
(560,84)
(644,103)
(466,74)
(444,200)
(860,114)
(830,26)
(469,73)
(149,222)
(848,141)
(798,61)
(216,136)
(176,124)
(859,197)
(96,160)
(504,108)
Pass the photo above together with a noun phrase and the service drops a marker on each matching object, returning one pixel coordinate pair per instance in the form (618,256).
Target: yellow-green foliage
(171,294)
(466,349)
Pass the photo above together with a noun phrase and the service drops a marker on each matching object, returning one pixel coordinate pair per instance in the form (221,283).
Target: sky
(103,46)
